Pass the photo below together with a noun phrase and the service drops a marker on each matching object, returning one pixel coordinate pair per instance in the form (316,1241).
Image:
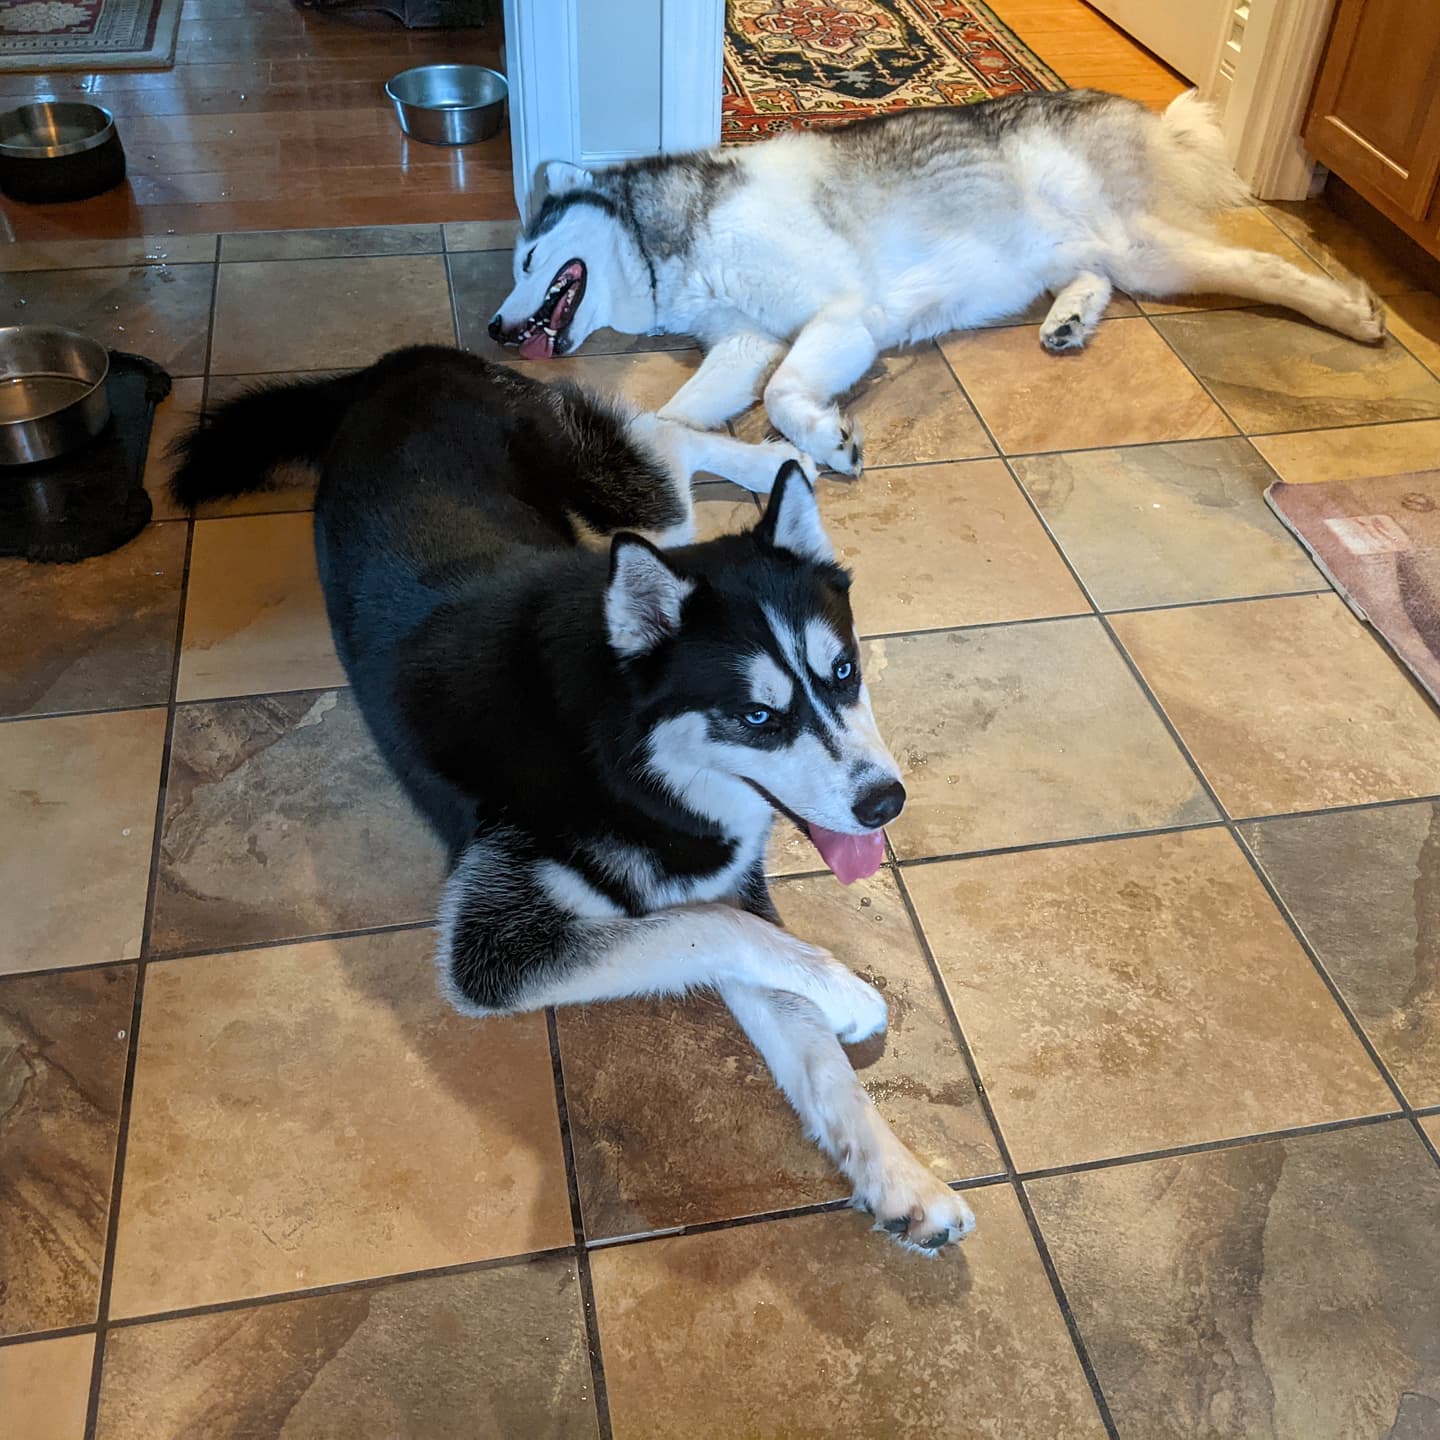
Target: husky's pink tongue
(851,857)
(538,346)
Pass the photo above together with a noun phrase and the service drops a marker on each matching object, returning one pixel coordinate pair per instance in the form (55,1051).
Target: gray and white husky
(600,740)
(796,261)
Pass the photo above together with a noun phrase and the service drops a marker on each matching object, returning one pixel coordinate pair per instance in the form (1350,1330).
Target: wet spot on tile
(159,311)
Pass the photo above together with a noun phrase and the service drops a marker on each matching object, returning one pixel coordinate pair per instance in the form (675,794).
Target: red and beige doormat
(798,64)
(87,34)
(1378,540)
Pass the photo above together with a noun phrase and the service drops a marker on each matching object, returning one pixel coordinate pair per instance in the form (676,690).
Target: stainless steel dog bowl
(449,104)
(53,396)
(54,150)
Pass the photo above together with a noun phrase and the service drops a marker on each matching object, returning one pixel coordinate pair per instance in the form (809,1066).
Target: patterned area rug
(1378,541)
(798,64)
(87,34)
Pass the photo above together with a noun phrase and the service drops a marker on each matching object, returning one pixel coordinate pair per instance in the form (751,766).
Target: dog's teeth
(548,331)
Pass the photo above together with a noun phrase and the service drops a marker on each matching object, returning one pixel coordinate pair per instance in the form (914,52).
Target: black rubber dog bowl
(55,150)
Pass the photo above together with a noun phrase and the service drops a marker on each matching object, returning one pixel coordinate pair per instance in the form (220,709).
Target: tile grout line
(822,1207)
(1228,822)
(337,1287)
(1226,819)
(598,1390)
(454,299)
(122,1135)
(1208,1147)
(1012,1178)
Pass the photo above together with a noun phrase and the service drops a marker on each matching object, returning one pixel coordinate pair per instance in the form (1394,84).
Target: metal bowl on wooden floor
(53,396)
(53,150)
(449,104)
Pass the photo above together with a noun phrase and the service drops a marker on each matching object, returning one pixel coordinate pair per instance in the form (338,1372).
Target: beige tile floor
(1160,933)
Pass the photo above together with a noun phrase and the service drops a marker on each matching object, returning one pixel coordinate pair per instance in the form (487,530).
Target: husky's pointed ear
(644,598)
(792,518)
(560,176)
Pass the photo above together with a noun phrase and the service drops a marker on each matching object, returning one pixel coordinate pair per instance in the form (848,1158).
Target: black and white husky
(796,261)
(601,740)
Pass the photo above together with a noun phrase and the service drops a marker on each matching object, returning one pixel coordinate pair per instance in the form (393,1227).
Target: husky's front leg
(703,452)
(727,382)
(830,354)
(504,946)
(907,1201)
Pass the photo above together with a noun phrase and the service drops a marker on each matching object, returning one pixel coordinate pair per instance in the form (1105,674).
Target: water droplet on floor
(22,302)
(119,1034)
(120,328)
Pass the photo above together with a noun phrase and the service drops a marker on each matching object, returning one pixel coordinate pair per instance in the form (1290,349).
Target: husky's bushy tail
(1193,174)
(231,451)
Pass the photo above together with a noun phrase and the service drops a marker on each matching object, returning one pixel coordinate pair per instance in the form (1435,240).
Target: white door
(596,81)
(1185,34)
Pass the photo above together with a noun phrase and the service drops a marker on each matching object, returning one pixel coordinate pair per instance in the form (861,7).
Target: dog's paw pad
(916,1210)
(1068,335)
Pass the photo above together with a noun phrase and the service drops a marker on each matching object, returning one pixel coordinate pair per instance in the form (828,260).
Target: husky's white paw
(1063,334)
(910,1205)
(836,442)
(1363,316)
(853,1008)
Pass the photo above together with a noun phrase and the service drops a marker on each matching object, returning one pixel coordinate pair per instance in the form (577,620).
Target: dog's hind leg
(907,1201)
(1174,261)
(1075,313)
(830,354)
(727,382)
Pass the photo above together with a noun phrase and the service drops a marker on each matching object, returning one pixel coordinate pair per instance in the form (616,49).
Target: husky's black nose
(496,328)
(880,805)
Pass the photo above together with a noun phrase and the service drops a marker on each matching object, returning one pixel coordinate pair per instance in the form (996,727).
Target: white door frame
(1261,83)
(543,67)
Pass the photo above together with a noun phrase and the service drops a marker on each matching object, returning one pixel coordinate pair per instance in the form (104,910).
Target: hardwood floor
(275,118)
(1085,49)
(272,118)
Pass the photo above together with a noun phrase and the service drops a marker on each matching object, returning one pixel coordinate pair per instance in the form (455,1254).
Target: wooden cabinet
(1374,117)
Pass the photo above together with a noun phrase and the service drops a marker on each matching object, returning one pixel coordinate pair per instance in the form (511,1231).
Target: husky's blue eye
(756,717)
(843,671)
